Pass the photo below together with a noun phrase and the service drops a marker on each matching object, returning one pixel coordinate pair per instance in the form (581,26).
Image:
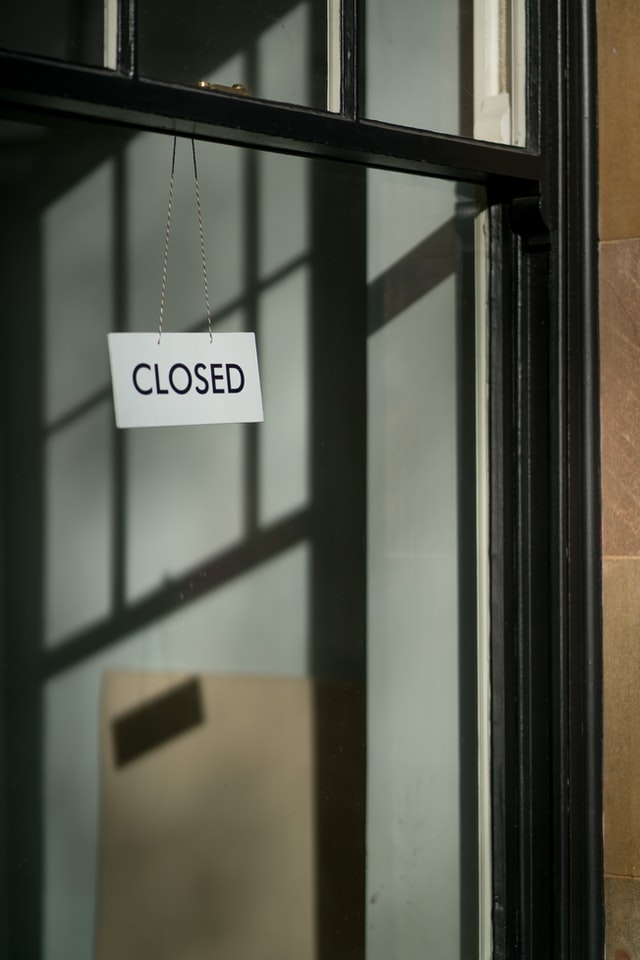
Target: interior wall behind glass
(413,789)
(419,64)
(222,634)
(77,234)
(312,549)
(276,50)
(55,28)
(129,513)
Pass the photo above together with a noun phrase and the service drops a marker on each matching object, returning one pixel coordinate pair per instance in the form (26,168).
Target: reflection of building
(412,309)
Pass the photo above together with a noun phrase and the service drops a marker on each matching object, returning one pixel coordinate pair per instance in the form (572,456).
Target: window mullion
(349,15)
(127,52)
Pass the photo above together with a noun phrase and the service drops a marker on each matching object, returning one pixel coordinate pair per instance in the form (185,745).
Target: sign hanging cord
(166,241)
(165,258)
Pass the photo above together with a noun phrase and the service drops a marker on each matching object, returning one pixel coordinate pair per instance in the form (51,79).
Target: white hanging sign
(185,378)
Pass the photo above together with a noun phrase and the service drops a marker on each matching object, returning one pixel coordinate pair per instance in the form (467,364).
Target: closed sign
(186,378)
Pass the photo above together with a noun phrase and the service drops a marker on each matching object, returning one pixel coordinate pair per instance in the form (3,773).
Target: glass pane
(61,29)
(453,67)
(277,51)
(241,680)
(419,63)
(420,650)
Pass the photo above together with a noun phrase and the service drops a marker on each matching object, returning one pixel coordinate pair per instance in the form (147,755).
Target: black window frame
(546,648)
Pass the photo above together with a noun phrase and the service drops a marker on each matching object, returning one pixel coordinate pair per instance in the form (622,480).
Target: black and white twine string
(165,258)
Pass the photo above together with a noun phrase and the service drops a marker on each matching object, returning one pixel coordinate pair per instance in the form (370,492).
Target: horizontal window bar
(30,84)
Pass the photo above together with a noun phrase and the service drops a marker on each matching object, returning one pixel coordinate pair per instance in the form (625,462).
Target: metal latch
(238,88)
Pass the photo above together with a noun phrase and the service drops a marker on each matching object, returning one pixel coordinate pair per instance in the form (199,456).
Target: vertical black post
(569,146)
(353,58)
(251,213)
(465,68)
(585,656)
(120,321)
(4,683)
(522,613)
(23,550)
(534,589)
(571,142)
(467,208)
(338,605)
(502,461)
(127,37)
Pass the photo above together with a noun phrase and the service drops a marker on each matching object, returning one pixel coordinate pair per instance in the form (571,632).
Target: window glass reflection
(78,511)
(283,58)
(56,28)
(78,295)
(283,212)
(282,46)
(221,177)
(420,656)
(163,540)
(283,437)
(413,811)
(457,68)
(247,649)
(220,635)
(419,58)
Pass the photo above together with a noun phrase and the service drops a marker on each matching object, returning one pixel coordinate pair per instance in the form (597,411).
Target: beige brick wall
(619,119)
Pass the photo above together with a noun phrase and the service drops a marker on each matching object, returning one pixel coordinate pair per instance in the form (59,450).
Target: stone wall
(619,118)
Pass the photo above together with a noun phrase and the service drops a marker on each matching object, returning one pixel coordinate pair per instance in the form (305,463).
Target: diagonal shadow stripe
(411,277)
(166,599)
(160,719)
